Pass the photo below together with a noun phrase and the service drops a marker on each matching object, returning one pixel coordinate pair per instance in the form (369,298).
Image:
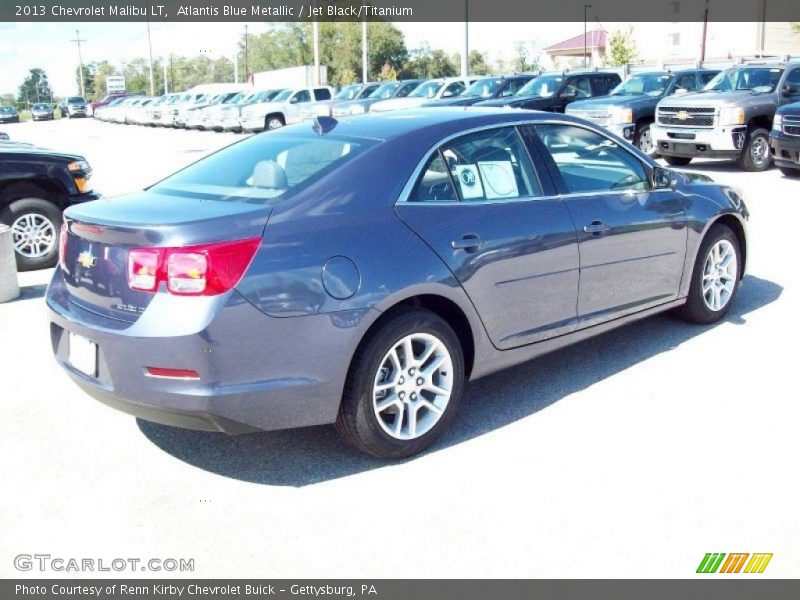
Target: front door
(632,238)
(480,204)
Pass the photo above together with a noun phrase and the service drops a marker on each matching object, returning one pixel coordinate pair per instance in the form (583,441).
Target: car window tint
(687,82)
(455,88)
(435,184)
(322,94)
(491,165)
(590,162)
(302,96)
(406,90)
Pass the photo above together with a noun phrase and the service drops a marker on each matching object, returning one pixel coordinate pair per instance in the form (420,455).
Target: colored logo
(719,562)
(468,177)
(86,259)
(682,115)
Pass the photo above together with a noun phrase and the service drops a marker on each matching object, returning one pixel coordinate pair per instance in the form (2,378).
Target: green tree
(426,63)
(388,73)
(621,48)
(100,70)
(88,80)
(478,64)
(34,88)
(523,61)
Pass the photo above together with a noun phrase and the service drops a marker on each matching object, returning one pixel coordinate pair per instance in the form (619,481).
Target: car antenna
(323,124)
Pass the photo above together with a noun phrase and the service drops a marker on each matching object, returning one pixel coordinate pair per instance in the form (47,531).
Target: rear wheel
(715,278)
(643,140)
(678,161)
(35,228)
(404,386)
(790,172)
(274,122)
(755,155)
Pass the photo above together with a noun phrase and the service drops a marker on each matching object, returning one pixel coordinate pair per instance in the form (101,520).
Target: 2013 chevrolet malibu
(360,271)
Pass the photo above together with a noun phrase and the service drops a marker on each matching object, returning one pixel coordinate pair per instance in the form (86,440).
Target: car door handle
(469,242)
(596,228)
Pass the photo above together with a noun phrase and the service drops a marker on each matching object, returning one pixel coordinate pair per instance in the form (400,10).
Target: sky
(48,45)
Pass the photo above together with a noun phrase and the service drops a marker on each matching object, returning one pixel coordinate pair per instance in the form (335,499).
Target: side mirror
(662,178)
(791,89)
(293,100)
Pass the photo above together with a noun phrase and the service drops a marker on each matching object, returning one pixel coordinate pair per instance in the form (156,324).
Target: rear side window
(590,162)
(264,167)
(322,94)
(486,165)
(686,82)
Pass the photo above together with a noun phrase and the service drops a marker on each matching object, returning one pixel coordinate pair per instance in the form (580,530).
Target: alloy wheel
(34,235)
(720,273)
(759,151)
(413,386)
(646,141)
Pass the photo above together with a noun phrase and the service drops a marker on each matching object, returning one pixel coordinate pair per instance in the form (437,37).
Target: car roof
(439,121)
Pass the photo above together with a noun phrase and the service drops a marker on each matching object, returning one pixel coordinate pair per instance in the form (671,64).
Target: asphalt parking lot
(629,455)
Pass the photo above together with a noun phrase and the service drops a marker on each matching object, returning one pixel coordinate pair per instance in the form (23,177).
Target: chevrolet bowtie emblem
(683,115)
(86,259)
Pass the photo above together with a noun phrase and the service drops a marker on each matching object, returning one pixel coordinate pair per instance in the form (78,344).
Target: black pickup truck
(784,139)
(36,185)
(630,109)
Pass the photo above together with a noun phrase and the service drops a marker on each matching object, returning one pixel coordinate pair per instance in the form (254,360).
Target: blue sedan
(361,271)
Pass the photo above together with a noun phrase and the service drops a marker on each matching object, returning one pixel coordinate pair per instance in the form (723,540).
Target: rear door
(632,239)
(482,207)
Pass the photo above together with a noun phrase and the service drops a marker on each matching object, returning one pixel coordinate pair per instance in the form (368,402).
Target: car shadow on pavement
(300,457)
(30,292)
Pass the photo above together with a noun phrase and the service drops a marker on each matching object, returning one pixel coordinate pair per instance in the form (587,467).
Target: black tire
(678,161)
(696,310)
(273,122)
(755,155)
(29,199)
(789,172)
(643,140)
(357,422)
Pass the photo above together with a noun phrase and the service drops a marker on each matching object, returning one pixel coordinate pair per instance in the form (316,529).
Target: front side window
(486,165)
(454,89)
(264,167)
(578,88)
(302,96)
(590,162)
(687,82)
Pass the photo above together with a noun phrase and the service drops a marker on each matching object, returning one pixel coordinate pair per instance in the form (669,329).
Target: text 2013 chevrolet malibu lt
(359,272)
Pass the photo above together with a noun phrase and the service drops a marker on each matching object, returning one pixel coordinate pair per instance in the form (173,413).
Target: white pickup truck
(286,108)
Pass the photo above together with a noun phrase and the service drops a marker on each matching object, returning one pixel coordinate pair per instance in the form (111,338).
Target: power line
(78,41)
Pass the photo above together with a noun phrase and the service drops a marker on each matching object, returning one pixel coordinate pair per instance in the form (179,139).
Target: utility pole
(78,41)
(465,50)
(150,48)
(246,56)
(364,58)
(315,35)
(705,33)
(586,7)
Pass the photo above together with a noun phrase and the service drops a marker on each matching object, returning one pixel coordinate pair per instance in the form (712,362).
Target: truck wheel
(274,122)
(755,155)
(643,140)
(790,172)
(678,161)
(35,223)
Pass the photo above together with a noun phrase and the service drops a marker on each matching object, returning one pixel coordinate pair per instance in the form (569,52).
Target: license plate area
(83,354)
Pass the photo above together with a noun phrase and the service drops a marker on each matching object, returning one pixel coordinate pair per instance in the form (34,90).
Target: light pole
(246,55)
(150,50)
(586,7)
(465,58)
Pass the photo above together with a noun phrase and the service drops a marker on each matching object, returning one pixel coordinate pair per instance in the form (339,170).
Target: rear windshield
(264,167)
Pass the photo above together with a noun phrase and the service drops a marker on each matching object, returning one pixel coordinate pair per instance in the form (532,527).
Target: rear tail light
(62,246)
(205,270)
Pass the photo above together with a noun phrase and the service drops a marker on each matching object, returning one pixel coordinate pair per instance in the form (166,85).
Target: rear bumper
(716,142)
(256,372)
(785,149)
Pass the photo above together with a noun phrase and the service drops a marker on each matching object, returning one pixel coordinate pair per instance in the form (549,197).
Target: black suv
(784,139)
(36,185)
(554,91)
(630,109)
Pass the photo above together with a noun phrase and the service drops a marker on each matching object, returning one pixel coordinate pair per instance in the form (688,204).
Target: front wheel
(678,161)
(35,228)
(755,155)
(274,123)
(404,386)
(715,278)
(643,140)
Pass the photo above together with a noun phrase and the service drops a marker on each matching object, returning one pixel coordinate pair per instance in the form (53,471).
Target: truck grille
(697,116)
(600,117)
(791,125)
